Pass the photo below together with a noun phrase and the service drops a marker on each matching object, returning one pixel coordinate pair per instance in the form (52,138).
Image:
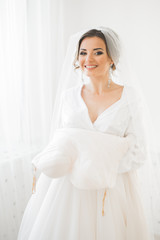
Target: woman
(88,189)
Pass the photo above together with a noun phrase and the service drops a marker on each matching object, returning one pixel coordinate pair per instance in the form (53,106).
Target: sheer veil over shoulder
(98,180)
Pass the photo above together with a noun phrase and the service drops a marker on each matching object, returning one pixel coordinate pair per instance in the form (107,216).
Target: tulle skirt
(60,211)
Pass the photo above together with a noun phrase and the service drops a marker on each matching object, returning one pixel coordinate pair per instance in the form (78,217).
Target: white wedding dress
(60,211)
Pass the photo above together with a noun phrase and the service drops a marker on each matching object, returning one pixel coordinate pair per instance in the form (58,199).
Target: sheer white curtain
(32,47)
(31,52)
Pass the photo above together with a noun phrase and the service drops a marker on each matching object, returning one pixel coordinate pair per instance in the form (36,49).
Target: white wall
(137,22)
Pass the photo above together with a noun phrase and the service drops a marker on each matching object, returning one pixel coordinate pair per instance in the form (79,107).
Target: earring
(110,76)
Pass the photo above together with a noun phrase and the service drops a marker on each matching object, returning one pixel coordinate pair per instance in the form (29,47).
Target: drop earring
(109,82)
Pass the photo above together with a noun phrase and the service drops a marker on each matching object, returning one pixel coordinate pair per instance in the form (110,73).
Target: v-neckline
(107,109)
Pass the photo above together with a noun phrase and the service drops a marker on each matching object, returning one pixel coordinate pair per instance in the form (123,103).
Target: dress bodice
(112,120)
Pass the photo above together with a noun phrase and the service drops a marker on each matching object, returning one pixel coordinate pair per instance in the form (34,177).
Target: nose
(89,57)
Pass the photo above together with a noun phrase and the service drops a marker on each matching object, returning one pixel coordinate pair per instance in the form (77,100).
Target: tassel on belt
(34,188)
(105,193)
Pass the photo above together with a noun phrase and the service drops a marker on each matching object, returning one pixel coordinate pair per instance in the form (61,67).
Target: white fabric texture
(72,151)
(59,210)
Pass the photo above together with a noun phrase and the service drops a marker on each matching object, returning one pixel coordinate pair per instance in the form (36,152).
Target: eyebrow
(93,49)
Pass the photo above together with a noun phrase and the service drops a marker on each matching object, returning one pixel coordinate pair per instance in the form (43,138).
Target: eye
(82,53)
(99,53)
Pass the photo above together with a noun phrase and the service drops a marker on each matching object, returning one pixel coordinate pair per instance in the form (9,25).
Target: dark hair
(92,33)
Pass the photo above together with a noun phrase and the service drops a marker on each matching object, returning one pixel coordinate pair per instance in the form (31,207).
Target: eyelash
(84,53)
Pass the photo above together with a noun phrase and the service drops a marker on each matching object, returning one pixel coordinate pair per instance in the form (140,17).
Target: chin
(89,74)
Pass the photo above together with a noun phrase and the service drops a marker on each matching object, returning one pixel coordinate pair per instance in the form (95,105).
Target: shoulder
(133,93)
(135,99)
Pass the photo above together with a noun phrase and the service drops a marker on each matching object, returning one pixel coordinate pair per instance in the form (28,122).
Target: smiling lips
(90,66)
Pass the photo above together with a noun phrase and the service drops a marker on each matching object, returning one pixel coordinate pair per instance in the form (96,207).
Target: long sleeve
(136,155)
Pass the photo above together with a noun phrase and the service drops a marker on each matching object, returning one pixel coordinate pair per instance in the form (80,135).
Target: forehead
(92,42)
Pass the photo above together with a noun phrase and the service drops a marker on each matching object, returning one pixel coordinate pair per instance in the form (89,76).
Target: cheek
(103,62)
(81,61)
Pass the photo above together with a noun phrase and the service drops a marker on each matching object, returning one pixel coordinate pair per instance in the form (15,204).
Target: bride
(95,166)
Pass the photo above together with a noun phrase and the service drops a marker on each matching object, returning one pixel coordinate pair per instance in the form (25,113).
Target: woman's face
(93,58)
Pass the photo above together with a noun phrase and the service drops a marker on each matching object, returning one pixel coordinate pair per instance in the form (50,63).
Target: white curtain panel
(31,53)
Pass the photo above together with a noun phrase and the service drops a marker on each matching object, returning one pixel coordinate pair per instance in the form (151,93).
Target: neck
(99,85)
